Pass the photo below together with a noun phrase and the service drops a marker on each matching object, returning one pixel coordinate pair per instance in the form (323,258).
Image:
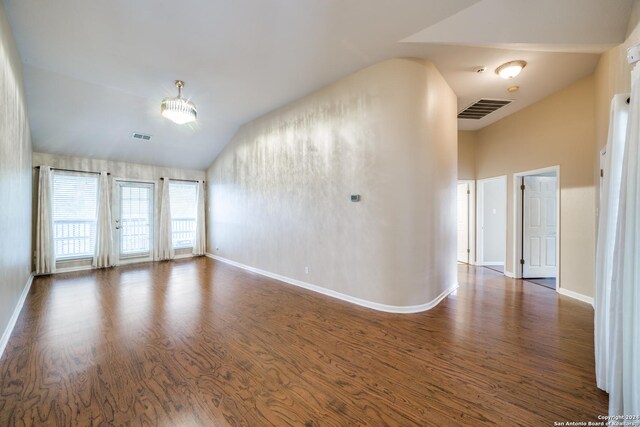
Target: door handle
(118,228)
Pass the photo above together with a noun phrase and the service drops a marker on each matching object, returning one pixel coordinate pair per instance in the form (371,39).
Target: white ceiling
(95,71)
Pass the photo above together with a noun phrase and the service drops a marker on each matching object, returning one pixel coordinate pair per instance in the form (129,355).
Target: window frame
(77,257)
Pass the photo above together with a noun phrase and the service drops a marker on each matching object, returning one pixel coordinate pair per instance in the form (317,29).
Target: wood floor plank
(198,342)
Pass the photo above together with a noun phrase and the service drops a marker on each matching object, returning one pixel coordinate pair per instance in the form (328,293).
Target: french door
(133,220)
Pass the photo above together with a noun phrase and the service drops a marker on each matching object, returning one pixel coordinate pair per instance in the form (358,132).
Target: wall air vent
(482,108)
(141,136)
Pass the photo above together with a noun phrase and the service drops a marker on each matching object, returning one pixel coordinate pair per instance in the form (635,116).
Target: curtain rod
(184,180)
(72,170)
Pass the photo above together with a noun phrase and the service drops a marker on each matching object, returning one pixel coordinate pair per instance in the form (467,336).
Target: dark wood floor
(197,342)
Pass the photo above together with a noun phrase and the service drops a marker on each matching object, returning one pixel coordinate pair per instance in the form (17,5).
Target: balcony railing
(74,238)
(183,232)
(135,236)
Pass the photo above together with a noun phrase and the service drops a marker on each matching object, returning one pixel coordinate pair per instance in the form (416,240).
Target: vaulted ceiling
(96,71)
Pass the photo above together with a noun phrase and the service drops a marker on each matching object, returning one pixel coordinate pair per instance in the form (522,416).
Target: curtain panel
(165,240)
(45,247)
(624,374)
(607,228)
(199,243)
(104,256)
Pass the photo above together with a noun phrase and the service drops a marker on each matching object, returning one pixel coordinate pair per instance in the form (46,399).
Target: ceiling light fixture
(510,69)
(178,109)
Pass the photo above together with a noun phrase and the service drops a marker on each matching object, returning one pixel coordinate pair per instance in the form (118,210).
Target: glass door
(133,217)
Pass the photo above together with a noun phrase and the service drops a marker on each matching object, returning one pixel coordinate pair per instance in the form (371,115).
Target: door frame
(472,218)
(517,220)
(480,217)
(152,247)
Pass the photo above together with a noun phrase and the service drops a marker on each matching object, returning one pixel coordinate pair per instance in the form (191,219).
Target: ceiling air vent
(141,136)
(481,108)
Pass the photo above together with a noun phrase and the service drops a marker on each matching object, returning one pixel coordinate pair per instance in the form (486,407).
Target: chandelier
(178,109)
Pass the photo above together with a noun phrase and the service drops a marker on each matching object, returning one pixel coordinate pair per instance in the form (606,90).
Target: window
(183,200)
(75,204)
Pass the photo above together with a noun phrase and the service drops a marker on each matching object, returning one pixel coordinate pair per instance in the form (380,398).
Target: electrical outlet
(306,270)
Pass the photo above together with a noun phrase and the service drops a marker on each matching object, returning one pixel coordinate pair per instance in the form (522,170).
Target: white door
(464,208)
(133,218)
(492,221)
(539,227)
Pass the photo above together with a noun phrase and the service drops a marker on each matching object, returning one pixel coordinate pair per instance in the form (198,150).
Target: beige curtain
(199,242)
(45,248)
(103,256)
(165,238)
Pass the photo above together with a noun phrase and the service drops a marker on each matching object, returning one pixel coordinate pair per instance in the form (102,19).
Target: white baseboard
(572,294)
(184,256)
(72,269)
(341,296)
(126,262)
(490,264)
(575,295)
(16,313)
(509,274)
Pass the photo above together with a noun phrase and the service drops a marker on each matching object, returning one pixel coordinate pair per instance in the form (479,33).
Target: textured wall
(558,130)
(15,177)
(118,170)
(279,192)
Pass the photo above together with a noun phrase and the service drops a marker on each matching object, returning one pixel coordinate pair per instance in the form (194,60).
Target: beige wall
(467,142)
(613,76)
(279,192)
(558,130)
(15,177)
(123,170)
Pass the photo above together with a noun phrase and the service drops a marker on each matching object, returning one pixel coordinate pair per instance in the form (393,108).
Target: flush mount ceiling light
(510,69)
(178,109)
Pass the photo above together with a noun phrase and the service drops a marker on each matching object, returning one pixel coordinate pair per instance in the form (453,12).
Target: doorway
(133,221)
(492,222)
(537,226)
(466,221)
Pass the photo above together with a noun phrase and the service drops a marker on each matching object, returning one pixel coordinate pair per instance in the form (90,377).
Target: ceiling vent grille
(141,136)
(482,108)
